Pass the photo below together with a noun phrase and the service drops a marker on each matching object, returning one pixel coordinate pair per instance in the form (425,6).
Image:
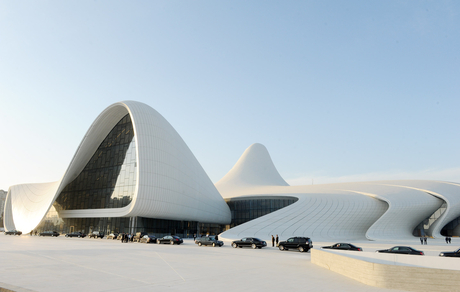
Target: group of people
(125,237)
(423,240)
(275,239)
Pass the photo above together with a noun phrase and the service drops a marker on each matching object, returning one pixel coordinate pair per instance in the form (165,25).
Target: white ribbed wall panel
(27,204)
(447,191)
(326,216)
(407,208)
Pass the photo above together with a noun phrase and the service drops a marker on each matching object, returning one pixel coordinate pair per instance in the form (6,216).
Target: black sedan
(148,239)
(13,232)
(249,242)
(208,240)
(453,254)
(171,239)
(401,250)
(75,234)
(343,246)
(49,233)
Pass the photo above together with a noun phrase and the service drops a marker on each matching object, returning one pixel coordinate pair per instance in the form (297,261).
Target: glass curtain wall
(109,178)
(244,210)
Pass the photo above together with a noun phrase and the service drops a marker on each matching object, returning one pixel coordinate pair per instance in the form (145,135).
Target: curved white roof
(170,182)
(254,168)
(373,210)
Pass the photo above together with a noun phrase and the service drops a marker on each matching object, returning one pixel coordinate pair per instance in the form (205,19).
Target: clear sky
(336,90)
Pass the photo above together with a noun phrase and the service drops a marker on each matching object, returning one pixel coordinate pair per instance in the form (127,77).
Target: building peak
(254,168)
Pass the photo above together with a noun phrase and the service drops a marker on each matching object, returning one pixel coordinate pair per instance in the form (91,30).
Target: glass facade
(109,178)
(244,210)
(157,227)
(451,229)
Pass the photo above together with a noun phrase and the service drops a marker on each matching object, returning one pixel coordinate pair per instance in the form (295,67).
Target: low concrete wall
(388,276)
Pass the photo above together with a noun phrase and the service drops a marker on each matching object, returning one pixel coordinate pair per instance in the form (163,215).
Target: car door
(344,246)
(405,250)
(246,242)
(290,243)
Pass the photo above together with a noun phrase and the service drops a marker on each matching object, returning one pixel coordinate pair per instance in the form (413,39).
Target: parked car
(300,243)
(171,239)
(453,254)
(13,232)
(148,239)
(343,246)
(49,233)
(75,234)
(112,236)
(249,242)
(401,250)
(138,236)
(96,234)
(209,240)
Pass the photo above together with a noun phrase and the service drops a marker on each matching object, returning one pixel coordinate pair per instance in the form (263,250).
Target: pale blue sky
(336,90)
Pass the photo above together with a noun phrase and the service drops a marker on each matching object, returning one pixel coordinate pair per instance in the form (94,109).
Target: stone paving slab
(79,264)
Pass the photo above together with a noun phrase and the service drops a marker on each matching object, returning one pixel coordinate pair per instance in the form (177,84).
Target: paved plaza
(31,263)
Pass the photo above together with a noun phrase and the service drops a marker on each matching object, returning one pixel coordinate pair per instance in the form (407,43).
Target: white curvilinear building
(377,210)
(131,167)
(133,172)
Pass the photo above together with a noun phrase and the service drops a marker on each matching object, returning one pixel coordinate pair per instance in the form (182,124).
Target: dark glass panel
(103,174)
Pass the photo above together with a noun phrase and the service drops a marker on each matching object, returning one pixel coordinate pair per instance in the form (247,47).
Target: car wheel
(66,235)
(281,247)
(301,249)
(199,243)
(235,245)
(171,242)
(213,244)
(79,236)
(253,246)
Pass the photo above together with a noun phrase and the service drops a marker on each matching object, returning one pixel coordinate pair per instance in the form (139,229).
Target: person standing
(273,241)
(194,237)
(276,240)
